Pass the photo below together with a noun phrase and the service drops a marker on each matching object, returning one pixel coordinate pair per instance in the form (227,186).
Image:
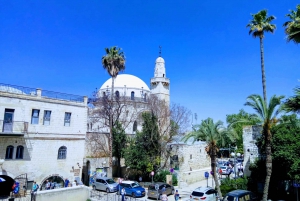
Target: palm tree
(267,115)
(258,26)
(113,62)
(292,27)
(292,104)
(215,135)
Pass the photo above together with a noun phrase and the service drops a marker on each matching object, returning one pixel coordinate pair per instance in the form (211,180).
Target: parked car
(204,193)
(153,193)
(224,169)
(240,195)
(105,184)
(132,188)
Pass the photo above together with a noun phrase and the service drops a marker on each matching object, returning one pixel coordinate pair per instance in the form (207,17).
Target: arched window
(132,95)
(62,153)
(9,152)
(134,126)
(104,94)
(20,151)
(145,97)
(117,94)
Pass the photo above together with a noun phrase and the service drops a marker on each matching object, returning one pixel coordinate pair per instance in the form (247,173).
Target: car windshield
(134,185)
(151,187)
(110,181)
(198,194)
(229,198)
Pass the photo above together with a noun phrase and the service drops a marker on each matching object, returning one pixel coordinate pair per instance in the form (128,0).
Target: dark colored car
(162,188)
(237,195)
(132,188)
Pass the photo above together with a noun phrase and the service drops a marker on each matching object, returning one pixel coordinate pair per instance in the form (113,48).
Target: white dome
(160,60)
(130,81)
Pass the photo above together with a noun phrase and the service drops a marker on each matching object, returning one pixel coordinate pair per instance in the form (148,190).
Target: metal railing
(44,93)
(120,99)
(103,196)
(13,127)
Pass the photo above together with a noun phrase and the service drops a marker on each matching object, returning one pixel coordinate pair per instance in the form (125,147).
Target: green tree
(292,27)
(113,62)
(143,152)
(268,118)
(260,24)
(119,144)
(238,127)
(214,135)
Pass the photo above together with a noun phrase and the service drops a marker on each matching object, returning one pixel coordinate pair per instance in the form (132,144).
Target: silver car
(162,188)
(105,184)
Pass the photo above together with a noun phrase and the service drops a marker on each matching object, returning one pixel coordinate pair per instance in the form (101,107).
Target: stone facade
(251,152)
(41,135)
(193,161)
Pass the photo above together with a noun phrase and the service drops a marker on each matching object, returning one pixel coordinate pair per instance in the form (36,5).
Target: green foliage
(143,153)
(88,200)
(228,184)
(292,104)
(292,27)
(286,148)
(113,61)
(119,140)
(237,121)
(161,177)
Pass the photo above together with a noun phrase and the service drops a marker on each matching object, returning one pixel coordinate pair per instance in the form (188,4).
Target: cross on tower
(159,51)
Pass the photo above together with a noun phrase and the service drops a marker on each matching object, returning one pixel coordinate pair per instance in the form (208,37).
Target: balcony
(13,128)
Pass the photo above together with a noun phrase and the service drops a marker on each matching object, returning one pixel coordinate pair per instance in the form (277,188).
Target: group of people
(229,170)
(164,196)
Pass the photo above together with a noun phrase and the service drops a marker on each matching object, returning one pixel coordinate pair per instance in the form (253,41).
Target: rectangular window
(67,118)
(47,115)
(35,116)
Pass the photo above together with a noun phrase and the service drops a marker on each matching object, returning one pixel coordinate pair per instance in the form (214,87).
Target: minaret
(160,84)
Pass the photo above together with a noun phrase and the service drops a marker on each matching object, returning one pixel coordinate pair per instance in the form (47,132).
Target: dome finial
(159,51)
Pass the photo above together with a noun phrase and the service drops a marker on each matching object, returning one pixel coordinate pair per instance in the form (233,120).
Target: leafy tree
(113,62)
(292,27)
(228,184)
(214,135)
(260,24)
(143,152)
(267,115)
(118,144)
(238,127)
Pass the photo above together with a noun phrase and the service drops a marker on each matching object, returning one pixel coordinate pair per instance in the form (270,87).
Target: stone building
(42,134)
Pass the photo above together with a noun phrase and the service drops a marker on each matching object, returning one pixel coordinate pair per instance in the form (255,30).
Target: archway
(56,179)
(86,173)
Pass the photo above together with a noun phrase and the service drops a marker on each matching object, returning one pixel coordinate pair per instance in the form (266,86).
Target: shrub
(161,176)
(228,184)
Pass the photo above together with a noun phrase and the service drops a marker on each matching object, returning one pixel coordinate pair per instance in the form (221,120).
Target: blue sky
(212,62)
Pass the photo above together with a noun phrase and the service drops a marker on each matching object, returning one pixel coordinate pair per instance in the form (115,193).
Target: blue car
(132,188)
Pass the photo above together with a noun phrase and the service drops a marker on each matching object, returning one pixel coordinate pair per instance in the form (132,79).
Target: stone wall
(78,193)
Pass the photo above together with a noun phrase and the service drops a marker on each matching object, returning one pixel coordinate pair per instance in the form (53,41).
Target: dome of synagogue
(160,60)
(130,81)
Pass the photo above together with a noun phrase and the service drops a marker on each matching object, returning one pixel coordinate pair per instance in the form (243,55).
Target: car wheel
(133,195)
(94,187)
(173,191)
(159,197)
(107,190)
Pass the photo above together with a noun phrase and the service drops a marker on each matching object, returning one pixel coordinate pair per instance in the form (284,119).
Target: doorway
(8,120)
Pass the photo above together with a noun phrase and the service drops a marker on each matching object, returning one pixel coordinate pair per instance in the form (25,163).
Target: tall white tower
(160,84)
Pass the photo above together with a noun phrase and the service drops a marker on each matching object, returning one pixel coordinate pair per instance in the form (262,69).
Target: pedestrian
(123,193)
(52,184)
(34,189)
(74,183)
(163,189)
(47,186)
(66,182)
(220,173)
(164,197)
(176,195)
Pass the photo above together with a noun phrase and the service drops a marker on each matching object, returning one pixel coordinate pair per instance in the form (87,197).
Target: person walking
(176,195)
(164,197)
(34,189)
(47,186)
(67,182)
(123,193)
